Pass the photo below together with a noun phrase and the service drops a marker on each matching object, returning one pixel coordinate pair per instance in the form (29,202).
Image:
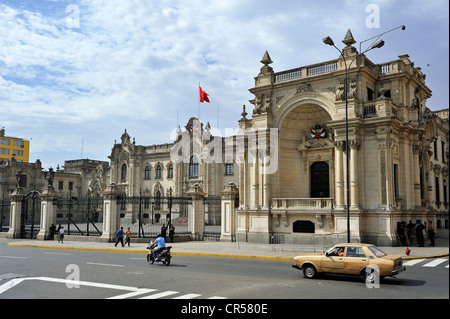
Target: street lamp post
(349,41)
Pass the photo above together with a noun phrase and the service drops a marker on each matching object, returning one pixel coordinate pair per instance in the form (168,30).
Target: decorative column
(48,213)
(354,189)
(339,151)
(196,215)
(228,212)
(15,214)
(111,216)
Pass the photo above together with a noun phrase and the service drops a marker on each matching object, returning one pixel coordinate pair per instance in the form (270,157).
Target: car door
(355,259)
(333,263)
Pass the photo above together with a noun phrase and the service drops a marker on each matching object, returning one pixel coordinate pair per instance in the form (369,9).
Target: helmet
(158,235)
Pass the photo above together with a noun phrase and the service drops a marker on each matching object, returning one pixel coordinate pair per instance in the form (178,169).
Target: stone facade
(392,173)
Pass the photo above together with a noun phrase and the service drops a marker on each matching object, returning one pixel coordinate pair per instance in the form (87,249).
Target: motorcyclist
(160,245)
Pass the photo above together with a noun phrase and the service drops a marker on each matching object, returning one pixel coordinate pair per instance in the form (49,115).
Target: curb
(196,254)
(145,251)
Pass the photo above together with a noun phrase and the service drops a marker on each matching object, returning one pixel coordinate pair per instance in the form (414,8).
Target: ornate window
(158,200)
(124,173)
(170,171)
(193,167)
(229,168)
(159,172)
(147,173)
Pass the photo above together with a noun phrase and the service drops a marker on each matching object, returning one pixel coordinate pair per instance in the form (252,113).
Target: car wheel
(309,271)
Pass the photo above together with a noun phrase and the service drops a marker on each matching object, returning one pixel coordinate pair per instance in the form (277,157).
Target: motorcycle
(164,255)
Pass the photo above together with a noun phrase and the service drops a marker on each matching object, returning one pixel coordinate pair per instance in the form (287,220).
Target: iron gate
(5,205)
(30,215)
(148,215)
(80,216)
(212,217)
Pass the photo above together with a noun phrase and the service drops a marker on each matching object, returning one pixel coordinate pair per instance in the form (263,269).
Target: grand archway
(294,165)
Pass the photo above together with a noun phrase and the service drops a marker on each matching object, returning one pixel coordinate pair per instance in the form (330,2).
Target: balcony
(302,204)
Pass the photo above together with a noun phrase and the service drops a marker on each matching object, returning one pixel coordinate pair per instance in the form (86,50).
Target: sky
(74,74)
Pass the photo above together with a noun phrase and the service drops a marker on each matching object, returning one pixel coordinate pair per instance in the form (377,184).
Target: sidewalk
(225,249)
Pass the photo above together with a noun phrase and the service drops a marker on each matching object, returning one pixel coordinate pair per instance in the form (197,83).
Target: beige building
(397,151)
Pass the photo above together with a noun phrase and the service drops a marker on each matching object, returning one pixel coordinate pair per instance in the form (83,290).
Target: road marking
(413,262)
(133,294)
(109,265)
(132,291)
(160,295)
(13,257)
(188,296)
(435,262)
(49,253)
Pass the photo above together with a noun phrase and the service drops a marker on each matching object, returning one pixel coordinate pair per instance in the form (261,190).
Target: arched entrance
(320,180)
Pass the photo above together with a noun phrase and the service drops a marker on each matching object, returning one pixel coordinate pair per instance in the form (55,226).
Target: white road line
(49,253)
(160,295)
(188,296)
(99,264)
(10,284)
(412,262)
(217,297)
(435,262)
(13,257)
(134,294)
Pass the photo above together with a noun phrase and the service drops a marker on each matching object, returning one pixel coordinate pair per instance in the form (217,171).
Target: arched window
(158,200)
(193,167)
(147,173)
(124,172)
(159,172)
(170,172)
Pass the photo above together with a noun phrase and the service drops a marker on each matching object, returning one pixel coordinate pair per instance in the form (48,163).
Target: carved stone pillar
(354,188)
(339,173)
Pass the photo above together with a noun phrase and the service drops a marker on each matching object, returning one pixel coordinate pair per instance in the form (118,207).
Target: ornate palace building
(297,154)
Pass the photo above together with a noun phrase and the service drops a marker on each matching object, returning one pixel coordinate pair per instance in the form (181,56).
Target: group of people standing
(121,235)
(407,233)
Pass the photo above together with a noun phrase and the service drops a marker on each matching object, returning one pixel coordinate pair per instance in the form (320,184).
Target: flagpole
(198,103)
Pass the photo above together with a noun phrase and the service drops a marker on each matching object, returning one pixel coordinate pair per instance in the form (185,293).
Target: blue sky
(136,64)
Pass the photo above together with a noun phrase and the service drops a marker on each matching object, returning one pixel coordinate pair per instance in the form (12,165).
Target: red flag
(203,96)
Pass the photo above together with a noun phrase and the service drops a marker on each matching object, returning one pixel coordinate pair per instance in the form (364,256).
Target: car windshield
(376,251)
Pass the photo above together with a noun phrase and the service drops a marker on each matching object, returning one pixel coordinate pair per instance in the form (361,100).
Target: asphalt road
(67,274)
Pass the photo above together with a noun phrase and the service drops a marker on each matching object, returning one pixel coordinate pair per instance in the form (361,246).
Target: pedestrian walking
(430,233)
(120,234)
(171,232)
(61,235)
(128,236)
(58,233)
(419,233)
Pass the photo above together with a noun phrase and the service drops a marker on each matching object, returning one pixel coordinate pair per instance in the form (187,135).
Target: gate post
(110,214)
(15,214)
(228,211)
(48,213)
(196,218)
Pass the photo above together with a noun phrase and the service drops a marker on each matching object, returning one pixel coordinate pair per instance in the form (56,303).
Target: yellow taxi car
(350,259)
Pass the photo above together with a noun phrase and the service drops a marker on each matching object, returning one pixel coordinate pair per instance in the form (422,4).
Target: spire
(349,40)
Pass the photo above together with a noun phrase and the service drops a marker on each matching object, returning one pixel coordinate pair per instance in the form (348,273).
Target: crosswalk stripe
(160,295)
(188,296)
(435,262)
(412,262)
(134,293)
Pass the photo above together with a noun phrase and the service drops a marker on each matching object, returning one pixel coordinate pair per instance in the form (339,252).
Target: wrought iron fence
(80,216)
(5,205)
